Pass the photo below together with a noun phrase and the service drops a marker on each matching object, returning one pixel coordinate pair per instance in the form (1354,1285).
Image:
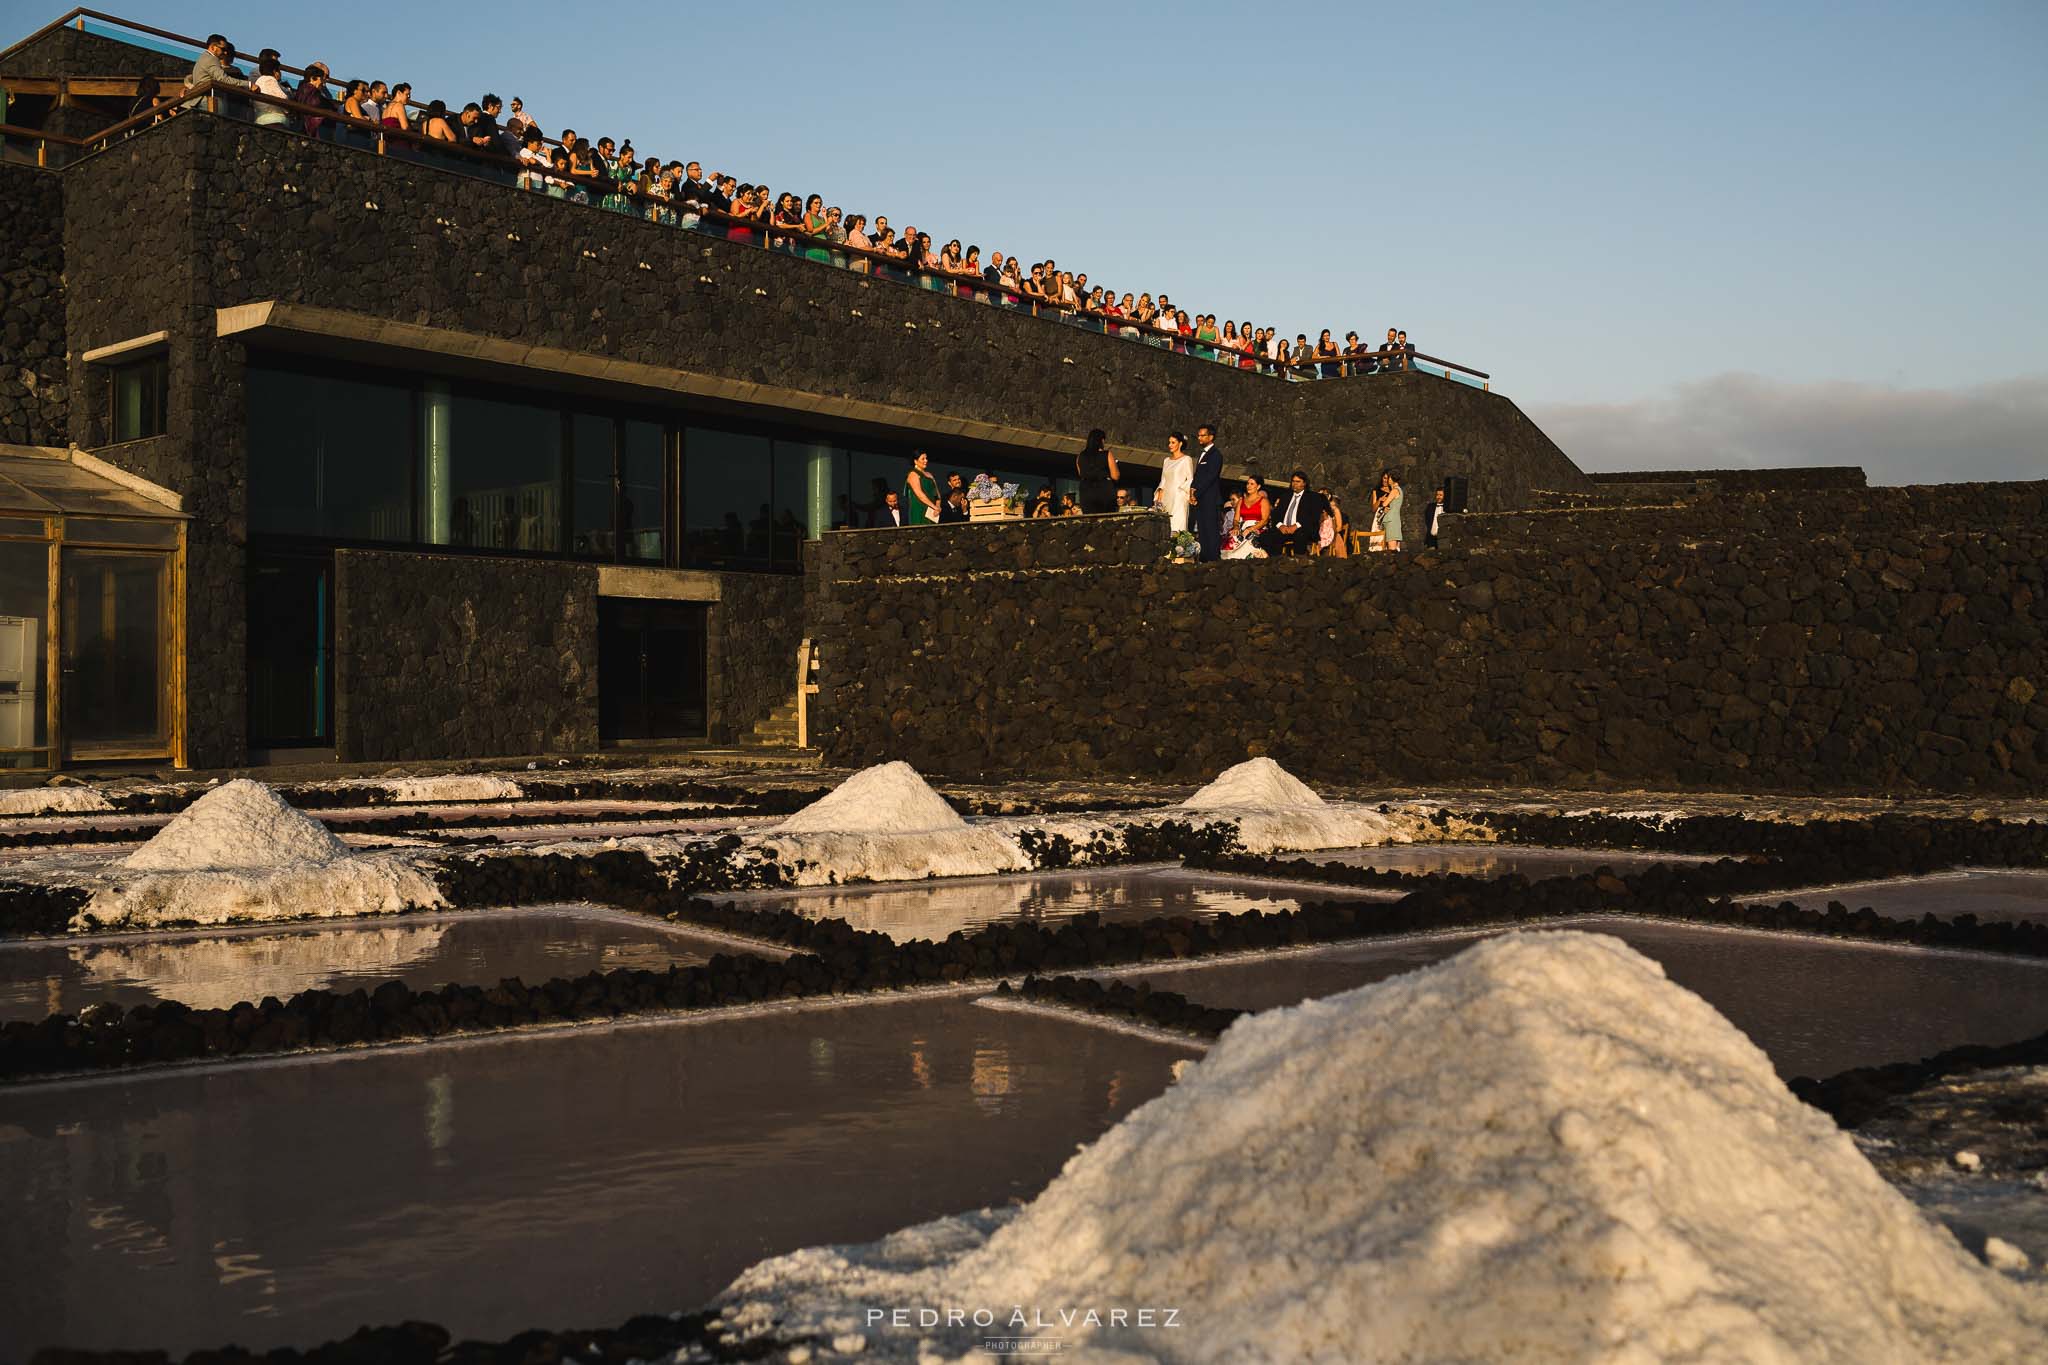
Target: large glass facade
(330,456)
(349,454)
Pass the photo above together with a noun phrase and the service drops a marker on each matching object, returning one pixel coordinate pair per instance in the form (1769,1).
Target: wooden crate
(990,511)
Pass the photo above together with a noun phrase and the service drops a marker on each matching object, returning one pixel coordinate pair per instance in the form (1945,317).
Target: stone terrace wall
(1909,653)
(34,386)
(450,656)
(473,256)
(1837,476)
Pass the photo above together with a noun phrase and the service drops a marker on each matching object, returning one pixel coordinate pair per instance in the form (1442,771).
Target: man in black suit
(1297,518)
(1432,520)
(890,513)
(1208,491)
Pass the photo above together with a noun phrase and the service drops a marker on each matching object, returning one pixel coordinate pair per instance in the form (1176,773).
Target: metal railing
(624,196)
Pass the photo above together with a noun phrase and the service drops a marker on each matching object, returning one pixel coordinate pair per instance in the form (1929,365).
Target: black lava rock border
(1836,849)
(1664,891)
(1121,1000)
(647,1337)
(1856,1096)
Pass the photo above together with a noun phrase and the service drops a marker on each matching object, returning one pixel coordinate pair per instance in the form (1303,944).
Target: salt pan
(1540,1149)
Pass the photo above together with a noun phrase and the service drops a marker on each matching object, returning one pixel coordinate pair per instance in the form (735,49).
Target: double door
(651,670)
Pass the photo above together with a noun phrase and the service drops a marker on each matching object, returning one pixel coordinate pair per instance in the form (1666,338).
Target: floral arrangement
(1184,545)
(986,489)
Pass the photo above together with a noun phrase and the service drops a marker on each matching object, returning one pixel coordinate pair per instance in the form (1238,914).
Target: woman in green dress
(923,487)
(815,224)
(1390,510)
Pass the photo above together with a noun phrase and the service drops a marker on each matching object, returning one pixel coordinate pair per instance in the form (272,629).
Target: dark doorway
(651,670)
(291,616)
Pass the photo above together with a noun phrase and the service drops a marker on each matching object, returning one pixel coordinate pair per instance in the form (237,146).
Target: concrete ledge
(327,331)
(132,346)
(671,585)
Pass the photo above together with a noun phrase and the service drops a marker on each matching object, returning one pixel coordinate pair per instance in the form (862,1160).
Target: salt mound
(53,800)
(1255,783)
(889,798)
(242,824)
(472,787)
(1540,1149)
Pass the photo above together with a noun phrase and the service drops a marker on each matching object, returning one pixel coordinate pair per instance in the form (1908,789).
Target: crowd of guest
(614,175)
(1227,521)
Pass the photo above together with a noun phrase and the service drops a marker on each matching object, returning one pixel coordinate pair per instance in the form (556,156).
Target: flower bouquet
(988,500)
(1185,545)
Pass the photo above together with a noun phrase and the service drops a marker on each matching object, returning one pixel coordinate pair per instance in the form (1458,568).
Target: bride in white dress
(1176,479)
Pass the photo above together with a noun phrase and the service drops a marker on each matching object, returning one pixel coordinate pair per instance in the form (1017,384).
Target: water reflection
(215,970)
(935,909)
(1496,860)
(1816,1006)
(1987,893)
(555,1178)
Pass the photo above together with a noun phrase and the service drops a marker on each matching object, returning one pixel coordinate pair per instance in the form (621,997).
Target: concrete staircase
(776,730)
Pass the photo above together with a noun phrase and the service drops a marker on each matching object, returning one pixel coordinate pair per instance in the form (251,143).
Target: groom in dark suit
(1208,490)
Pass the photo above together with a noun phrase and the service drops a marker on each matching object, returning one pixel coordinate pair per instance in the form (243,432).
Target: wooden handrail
(888,261)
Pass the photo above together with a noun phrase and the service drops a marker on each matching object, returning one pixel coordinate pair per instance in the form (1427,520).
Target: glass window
(726,496)
(870,476)
(810,487)
(141,392)
(593,517)
(329,456)
(161,534)
(113,649)
(643,501)
(505,474)
(24,609)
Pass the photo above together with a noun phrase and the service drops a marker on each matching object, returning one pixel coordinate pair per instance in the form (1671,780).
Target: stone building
(466,470)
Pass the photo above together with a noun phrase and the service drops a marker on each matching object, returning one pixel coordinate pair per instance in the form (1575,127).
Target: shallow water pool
(555,1178)
(214,969)
(932,910)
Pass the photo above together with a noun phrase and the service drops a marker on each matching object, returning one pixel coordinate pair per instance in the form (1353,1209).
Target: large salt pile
(1255,783)
(890,798)
(240,853)
(453,787)
(243,824)
(1540,1150)
(885,823)
(1276,812)
(53,801)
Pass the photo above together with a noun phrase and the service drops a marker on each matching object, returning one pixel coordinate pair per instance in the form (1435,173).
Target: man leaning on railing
(211,68)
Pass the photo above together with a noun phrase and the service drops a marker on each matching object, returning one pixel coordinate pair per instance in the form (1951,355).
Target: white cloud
(1991,431)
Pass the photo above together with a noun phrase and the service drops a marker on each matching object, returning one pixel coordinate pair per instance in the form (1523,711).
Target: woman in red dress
(1253,509)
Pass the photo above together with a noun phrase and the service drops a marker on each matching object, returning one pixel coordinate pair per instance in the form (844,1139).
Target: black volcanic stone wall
(133,260)
(1773,654)
(755,630)
(34,386)
(449,656)
(68,52)
(1738,480)
(475,256)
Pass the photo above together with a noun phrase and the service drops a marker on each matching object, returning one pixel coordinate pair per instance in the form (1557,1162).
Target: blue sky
(1732,227)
